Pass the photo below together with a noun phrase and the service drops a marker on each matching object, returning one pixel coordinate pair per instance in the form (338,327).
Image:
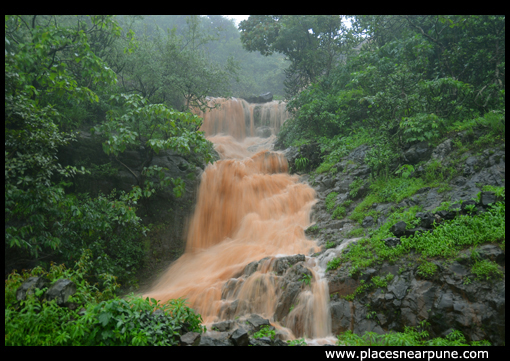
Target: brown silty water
(248,208)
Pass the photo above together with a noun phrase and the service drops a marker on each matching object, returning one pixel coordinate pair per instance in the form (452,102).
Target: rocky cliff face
(450,299)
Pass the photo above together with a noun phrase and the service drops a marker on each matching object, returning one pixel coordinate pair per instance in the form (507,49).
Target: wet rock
(282,264)
(367,222)
(29,285)
(413,231)
(61,291)
(257,322)
(442,150)
(392,241)
(487,198)
(417,153)
(210,341)
(335,224)
(263,132)
(222,326)
(367,274)
(240,337)
(447,215)
(286,300)
(342,285)
(341,316)
(492,252)
(398,287)
(399,228)
(426,219)
(229,309)
(190,339)
(358,155)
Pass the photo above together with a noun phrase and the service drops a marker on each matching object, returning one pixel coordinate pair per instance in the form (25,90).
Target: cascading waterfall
(248,209)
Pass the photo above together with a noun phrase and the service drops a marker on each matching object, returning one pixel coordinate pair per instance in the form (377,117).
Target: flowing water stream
(248,209)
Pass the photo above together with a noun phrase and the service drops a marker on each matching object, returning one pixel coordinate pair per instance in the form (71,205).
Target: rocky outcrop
(60,291)
(454,298)
(262,98)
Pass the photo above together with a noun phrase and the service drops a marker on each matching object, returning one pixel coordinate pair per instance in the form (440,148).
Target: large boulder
(28,287)
(61,291)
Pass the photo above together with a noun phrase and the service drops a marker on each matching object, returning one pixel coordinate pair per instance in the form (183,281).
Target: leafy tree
(312,43)
(48,62)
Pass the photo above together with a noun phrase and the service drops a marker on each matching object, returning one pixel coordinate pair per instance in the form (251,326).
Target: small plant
(338,213)
(406,170)
(301,163)
(499,191)
(358,232)
(487,270)
(306,279)
(297,342)
(355,187)
(333,264)
(265,331)
(330,244)
(427,269)
(471,208)
(330,201)
(371,315)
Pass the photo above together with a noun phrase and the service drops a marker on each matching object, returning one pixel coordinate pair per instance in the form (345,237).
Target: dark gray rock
(442,150)
(399,228)
(257,322)
(367,222)
(487,198)
(287,299)
(240,337)
(492,252)
(211,341)
(61,291)
(341,316)
(29,285)
(263,132)
(398,287)
(392,242)
(417,153)
(426,219)
(413,231)
(358,154)
(190,339)
(222,326)
(282,264)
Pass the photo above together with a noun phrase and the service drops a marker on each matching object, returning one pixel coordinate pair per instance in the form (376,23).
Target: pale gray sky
(237,18)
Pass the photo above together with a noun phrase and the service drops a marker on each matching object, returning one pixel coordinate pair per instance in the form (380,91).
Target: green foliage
(330,201)
(417,79)
(427,269)
(406,170)
(338,213)
(297,342)
(310,42)
(355,187)
(356,232)
(330,244)
(498,191)
(106,320)
(410,337)
(486,270)
(382,282)
(334,264)
(306,279)
(161,129)
(301,163)
(265,331)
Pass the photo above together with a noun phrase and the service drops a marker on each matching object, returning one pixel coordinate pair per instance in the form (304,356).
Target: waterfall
(248,209)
